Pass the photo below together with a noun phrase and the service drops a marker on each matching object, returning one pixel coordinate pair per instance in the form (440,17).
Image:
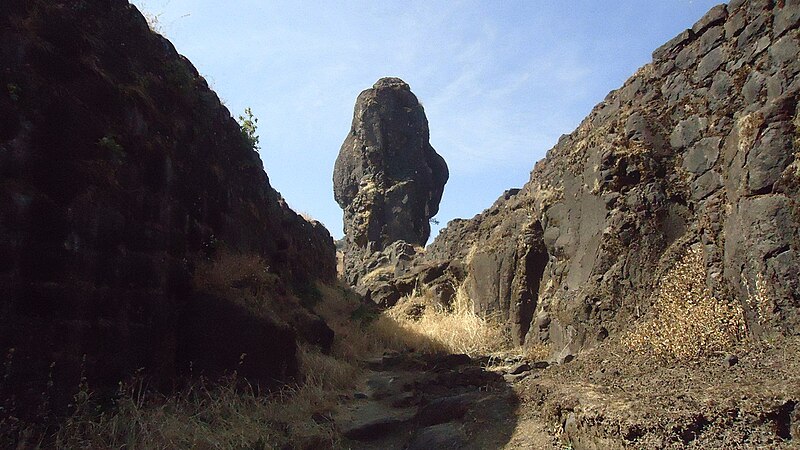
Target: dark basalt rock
(387,178)
(120,173)
(661,164)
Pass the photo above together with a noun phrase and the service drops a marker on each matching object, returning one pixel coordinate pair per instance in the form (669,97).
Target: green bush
(248,123)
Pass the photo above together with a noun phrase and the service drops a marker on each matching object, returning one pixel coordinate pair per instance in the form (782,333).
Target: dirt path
(416,402)
(408,401)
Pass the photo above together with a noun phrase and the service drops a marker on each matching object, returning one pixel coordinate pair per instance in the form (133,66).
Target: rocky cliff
(123,176)
(696,152)
(388,180)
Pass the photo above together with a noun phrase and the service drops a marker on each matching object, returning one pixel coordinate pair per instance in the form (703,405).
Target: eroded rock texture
(699,147)
(120,173)
(387,179)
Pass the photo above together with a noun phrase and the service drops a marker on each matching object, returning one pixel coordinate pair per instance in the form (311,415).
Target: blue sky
(500,81)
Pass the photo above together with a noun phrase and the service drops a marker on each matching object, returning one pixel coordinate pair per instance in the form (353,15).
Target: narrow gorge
(641,290)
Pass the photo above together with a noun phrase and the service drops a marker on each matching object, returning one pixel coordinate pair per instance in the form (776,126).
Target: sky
(500,81)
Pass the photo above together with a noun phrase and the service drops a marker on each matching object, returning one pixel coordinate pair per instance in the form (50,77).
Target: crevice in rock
(535,262)
(776,252)
(693,430)
(782,419)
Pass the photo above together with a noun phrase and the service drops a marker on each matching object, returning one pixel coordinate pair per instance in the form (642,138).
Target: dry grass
(228,414)
(353,339)
(242,277)
(537,352)
(758,298)
(225,414)
(421,324)
(749,127)
(415,323)
(246,280)
(688,321)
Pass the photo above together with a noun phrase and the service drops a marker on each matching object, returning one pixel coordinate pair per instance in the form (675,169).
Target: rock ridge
(697,150)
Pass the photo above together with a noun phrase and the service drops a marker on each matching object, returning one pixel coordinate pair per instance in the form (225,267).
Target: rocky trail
(411,401)
(598,401)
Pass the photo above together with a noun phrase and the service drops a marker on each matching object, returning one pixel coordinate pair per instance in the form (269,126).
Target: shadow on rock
(442,401)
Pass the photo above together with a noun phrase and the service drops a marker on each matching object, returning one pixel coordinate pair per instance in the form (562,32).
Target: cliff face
(387,179)
(120,173)
(697,150)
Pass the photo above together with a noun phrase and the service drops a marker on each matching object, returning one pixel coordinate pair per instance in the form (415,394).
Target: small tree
(248,123)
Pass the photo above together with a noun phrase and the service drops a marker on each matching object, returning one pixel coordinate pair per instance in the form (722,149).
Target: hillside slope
(124,183)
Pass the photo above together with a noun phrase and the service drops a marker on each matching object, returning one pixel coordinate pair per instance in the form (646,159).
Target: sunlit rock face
(696,152)
(387,179)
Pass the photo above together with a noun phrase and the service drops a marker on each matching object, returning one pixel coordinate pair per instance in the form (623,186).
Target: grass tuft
(688,321)
(228,413)
(421,324)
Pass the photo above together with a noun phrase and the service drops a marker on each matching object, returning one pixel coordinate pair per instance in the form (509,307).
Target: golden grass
(537,352)
(326,371)
(688,321)
(353,337)
(419,323)
(242,278)
(246,280)
(228,414)
(224,414)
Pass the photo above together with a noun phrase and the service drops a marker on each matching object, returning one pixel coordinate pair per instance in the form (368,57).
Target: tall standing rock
(387,179)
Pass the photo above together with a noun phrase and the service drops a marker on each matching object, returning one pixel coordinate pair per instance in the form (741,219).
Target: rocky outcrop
(698,149)
(121,174)
(387,179)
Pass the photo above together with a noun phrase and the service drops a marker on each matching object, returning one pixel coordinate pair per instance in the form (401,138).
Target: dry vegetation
(429,327)
(688,321)
(223,414)
(248,273)
(229,414)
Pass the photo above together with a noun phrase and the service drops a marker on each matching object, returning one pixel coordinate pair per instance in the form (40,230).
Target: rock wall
(698,148)
(387,179)
(120,172)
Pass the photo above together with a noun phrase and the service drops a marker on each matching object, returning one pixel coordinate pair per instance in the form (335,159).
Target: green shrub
(248,124)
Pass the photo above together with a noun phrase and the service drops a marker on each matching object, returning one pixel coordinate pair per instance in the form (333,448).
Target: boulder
(387,178)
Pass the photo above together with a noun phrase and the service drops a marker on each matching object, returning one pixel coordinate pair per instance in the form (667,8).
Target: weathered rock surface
(699,147)
(121,172)
(387,179)
(426,401)
(443,436)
